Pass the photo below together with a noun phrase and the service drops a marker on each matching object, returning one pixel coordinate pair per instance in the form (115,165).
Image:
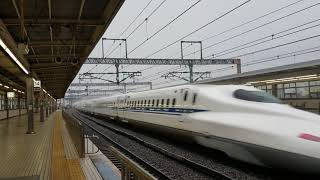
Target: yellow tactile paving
(62,168)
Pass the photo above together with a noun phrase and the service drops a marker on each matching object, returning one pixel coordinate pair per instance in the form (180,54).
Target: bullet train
(245,123)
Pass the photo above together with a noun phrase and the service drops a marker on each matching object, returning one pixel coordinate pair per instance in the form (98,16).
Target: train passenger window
(257,96)
(173,102)
(162,102)
(194,99)
(168,102)
(149,102)
(152,102)
(185,97)
(157,102)
(145,102)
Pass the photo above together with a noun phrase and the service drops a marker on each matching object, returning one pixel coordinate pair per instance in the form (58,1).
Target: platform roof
(286,71)
(60,35)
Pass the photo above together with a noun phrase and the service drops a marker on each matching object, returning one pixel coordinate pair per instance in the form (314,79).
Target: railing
(75,130)
(130,169)
(90,148)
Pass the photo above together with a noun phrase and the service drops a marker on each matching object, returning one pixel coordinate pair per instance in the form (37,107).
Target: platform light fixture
(6,87)
(13,57)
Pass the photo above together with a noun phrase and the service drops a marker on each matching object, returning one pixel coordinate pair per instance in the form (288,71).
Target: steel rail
(158,173)
(181,159)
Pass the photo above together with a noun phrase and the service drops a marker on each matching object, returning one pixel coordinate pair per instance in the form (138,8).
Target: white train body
(244,122)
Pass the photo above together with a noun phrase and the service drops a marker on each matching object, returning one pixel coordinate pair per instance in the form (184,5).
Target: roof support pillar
(19,104)
(29,88)
(47,109)
(41,106)
(7,106)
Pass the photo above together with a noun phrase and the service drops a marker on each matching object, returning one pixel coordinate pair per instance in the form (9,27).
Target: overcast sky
(303,24)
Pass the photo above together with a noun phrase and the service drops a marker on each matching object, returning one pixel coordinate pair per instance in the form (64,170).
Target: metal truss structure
(141,61)
(113,84)
(126,75)
(179,75)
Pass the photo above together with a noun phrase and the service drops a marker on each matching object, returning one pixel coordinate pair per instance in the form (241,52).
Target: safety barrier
(129,168)
(76,132)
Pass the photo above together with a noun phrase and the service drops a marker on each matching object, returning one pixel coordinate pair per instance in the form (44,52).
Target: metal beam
(51,56)
(48,66)
(111,84)
(48,22)
(74,97)
(141,61)
(56,43)
(92,91)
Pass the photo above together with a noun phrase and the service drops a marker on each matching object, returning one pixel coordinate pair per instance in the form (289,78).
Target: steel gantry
(113,84)
(188,62)
(126,75)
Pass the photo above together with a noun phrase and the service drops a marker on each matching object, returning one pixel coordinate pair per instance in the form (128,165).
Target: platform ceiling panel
(60,34)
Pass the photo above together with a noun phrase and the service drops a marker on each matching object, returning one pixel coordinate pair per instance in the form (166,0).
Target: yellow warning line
(63,169)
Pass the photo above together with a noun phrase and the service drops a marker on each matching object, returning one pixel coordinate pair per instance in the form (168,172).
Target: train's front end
(253,126)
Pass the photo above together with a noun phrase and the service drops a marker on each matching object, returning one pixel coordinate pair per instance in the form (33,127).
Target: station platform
(47,154)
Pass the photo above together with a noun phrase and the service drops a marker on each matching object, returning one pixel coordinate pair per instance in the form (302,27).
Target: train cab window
(194,99)
(157,105)
(168,102)
(256,96)
(185,97)
(173,102)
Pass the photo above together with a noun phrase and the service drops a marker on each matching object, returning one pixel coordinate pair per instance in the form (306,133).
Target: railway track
(211,165)
(204,172)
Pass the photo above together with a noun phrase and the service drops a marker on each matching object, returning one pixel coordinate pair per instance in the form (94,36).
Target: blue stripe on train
(168,111)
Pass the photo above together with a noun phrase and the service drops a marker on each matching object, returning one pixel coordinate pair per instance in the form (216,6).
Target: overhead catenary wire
(281,45)
(243,24)
(170,22)
(285,55)
(250,21)
(165,26)
(125,30)
(265,39)
(131,23)
(198,29)
(277,46)
(273,37)
(135,29)
(260,26)
(147,18)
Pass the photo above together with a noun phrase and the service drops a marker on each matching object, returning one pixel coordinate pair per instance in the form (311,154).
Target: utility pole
(190,62)
(116,63)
